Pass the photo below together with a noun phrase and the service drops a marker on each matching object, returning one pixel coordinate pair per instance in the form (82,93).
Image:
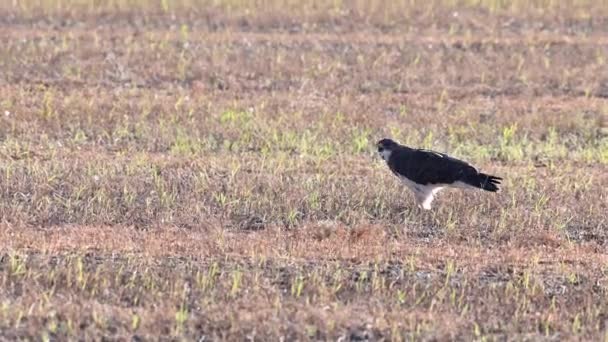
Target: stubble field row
(207,168)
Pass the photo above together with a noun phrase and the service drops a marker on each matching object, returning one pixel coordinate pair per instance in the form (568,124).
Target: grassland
(205,169)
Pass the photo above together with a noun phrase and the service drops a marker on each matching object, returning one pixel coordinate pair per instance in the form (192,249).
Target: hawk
(426,172)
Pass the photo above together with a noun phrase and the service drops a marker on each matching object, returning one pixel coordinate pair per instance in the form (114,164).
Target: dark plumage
(426,172)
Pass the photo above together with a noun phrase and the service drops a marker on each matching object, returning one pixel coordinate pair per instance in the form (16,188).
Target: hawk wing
(429,167)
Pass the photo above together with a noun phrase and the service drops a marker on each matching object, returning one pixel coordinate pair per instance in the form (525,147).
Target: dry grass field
(205,170)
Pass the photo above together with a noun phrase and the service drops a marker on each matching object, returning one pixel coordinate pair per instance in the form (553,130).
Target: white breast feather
(424,193)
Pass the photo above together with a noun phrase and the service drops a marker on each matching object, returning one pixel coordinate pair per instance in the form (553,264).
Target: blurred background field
(201,168)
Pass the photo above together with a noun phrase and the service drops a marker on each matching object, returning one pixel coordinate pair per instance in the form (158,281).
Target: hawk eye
(380,149)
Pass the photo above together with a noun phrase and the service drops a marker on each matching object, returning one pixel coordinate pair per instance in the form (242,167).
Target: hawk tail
(483,181)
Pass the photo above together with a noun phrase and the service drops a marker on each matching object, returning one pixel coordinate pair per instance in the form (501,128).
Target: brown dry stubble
(210,172)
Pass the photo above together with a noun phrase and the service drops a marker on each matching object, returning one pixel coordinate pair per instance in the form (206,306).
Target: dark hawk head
(386,147)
